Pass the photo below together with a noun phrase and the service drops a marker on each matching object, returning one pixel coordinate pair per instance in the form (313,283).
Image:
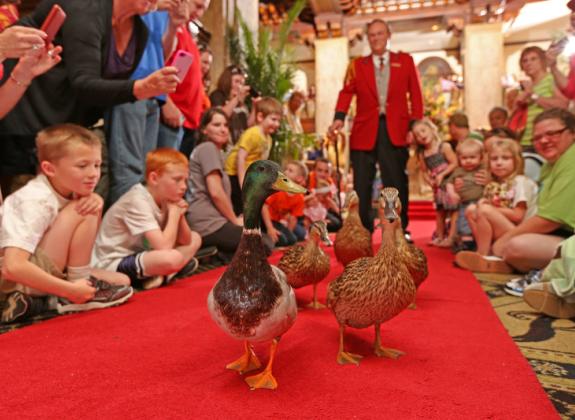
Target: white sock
(77,273)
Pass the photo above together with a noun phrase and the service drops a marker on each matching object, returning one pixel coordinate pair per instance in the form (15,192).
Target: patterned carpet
(547,343)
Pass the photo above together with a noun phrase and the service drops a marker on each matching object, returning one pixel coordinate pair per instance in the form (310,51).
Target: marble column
(214,21)
(483,66)
(331,60)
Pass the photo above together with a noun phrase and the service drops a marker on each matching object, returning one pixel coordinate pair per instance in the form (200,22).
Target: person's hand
(458,184)
(453,198)
(527,86)
(18,41)
(439,179)
(334,128)
(410,139)
(30,66)
(162,81)
(179,12)
(552,53)
(177,208)
(274,234)
(167,4)
(481,177)
(171,115)
(239,220)
(90,204)
(242,93)
(82,291)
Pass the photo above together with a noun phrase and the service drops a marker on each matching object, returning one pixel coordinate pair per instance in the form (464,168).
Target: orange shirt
(282,203)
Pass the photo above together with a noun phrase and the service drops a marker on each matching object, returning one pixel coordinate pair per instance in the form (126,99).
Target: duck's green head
(263,178)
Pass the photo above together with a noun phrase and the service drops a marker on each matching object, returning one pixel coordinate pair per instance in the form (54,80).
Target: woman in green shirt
(538,92)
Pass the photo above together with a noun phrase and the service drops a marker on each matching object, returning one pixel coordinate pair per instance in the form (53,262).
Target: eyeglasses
(551,134)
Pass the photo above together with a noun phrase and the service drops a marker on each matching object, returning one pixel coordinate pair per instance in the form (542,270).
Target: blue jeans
(170,137)
(463,228)
(131,132)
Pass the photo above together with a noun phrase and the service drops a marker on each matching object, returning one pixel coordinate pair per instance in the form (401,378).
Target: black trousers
(392,163)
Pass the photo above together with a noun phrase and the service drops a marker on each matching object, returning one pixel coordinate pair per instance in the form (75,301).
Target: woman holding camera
(230,95)
(538,93)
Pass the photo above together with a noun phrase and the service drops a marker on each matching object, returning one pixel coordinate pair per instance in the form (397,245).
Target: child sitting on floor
(48,229)
(145,233)
(282,211)
(437,161)
(507,200)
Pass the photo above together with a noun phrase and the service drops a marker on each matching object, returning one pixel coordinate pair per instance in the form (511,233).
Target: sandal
(435,241)
(445,243)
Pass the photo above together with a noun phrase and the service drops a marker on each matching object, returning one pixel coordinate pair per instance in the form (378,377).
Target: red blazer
(400,109)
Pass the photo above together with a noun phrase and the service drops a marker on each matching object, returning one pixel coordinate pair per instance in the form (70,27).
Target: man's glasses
(551,134)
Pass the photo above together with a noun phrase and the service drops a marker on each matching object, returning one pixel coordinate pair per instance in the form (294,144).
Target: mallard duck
(373,290)
(252,300)
(353,240)
(308,263)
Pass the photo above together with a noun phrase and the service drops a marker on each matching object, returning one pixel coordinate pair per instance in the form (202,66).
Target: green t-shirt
(557,190)
(545,89)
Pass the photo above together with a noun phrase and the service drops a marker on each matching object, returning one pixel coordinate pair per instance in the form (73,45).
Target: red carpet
(421,210)
(161,356)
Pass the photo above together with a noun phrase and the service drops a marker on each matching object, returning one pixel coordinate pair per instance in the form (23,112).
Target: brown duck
(308,263)
(373,290)
(353,240)
(413,258)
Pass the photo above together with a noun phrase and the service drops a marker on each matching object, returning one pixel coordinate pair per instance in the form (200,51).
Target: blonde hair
(57,141)
(508,145)
(268,105)
(427,122)
(302,168)
(469,144)
(157,160)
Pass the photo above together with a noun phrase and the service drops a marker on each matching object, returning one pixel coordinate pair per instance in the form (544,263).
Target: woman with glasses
(532,244)
(230,95)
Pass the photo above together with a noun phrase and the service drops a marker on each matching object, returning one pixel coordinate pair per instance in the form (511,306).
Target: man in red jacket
(388,93)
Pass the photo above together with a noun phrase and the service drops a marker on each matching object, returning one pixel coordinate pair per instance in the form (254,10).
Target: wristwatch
(534,97)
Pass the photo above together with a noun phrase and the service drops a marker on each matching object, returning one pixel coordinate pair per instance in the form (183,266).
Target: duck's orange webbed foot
(346,358)
(315,305)
(247,362)
(265,379)
(389,353)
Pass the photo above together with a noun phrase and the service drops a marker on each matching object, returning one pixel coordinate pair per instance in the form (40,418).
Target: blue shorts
(133,267)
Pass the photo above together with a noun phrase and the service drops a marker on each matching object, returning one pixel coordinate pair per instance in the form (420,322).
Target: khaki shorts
(39,259)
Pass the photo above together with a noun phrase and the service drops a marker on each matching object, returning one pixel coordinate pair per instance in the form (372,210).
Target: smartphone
(53,23)
(182,61)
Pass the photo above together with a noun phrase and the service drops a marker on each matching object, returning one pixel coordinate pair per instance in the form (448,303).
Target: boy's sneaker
(106,295)
(19,307)
(186,271)
(543,298)
(516,286)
